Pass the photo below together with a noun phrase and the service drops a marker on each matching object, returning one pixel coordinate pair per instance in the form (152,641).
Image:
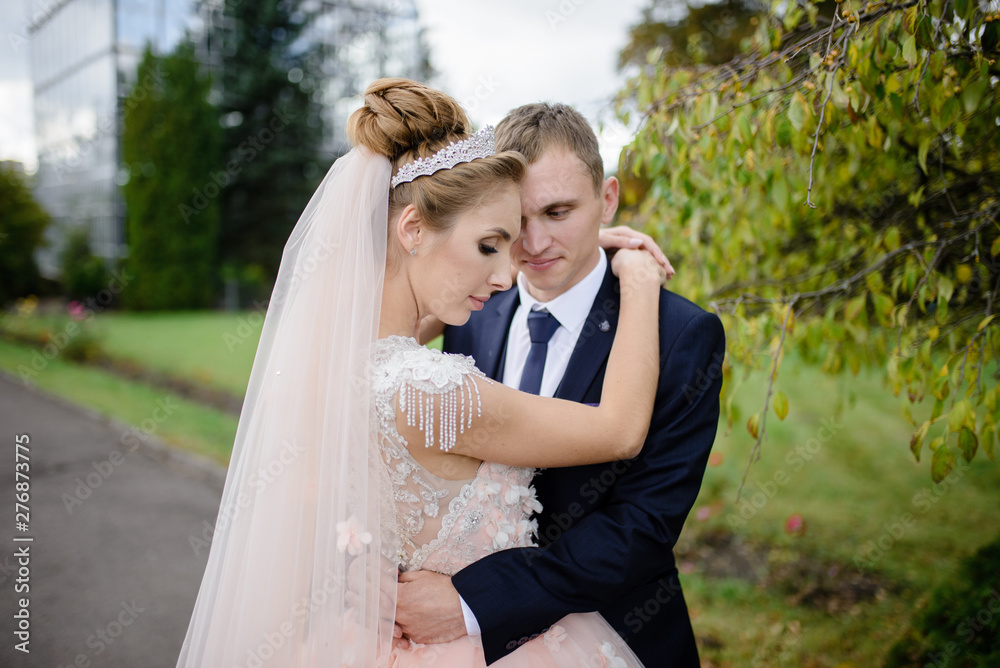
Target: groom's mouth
(540,264)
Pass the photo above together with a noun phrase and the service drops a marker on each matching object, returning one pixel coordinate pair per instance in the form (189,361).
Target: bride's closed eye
(487,250)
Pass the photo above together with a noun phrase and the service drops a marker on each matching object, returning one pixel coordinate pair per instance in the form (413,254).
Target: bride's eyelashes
(487,250)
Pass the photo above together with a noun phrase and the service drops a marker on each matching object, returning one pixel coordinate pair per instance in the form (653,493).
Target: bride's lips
(479,302)
(540,264)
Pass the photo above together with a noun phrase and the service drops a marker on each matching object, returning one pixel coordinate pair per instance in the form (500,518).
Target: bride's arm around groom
(606,531)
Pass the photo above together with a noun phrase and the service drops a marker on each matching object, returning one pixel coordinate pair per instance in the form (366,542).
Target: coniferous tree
(170,145)
(22,231)
(272,131)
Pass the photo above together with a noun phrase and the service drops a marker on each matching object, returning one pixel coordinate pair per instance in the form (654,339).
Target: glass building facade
(84,57)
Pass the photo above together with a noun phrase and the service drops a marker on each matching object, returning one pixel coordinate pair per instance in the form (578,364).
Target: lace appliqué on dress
(423,378)
(420,377)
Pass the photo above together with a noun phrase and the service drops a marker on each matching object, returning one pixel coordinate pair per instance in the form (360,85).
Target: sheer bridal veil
(295,575)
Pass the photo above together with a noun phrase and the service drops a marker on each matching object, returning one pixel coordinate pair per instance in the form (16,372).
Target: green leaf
(956,420)
(995,247)
(989,436)
(968,443)
(938,60)
(910,20)
(986,321)
(938,408)
(753,425)
(962,8)
(780,405)
(972,94)
(925,32)
(991,399)
(883,304)
(853,308)
(942,462)
(797,112)
(925,145)
(910,50)
(945,287)
(892,240)
(746,131)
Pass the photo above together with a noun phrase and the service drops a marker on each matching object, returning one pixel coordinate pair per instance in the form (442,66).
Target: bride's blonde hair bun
(402,116)
(405,120)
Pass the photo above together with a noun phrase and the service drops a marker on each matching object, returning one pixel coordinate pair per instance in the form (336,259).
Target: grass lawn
(214,348)
(190,426)
(840,460)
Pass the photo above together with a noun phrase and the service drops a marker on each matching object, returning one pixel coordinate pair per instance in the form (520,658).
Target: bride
(359,452)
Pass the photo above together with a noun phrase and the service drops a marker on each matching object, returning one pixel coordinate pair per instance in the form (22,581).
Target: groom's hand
(428,608)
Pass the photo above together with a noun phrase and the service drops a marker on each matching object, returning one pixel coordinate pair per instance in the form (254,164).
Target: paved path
(113,574)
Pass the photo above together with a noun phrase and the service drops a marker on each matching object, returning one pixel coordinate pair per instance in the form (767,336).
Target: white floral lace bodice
(444,525)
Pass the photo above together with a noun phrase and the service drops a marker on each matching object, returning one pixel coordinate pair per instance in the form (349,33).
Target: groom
(607,531)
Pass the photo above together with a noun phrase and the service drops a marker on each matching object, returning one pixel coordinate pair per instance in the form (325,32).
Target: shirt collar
(571,307)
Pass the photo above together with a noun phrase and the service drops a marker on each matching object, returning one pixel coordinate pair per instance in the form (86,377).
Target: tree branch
(755,452)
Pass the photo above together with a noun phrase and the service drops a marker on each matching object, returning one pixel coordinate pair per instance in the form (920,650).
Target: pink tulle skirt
(576,641)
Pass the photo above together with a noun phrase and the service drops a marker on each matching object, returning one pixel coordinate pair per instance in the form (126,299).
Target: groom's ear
(409,228)
(609,197)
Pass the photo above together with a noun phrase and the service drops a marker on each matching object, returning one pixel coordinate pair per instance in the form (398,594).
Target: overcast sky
(491,55)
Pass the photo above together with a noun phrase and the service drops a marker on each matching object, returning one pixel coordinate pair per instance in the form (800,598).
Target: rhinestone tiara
(479,145)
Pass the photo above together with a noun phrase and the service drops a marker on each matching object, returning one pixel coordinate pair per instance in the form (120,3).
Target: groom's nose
(534,238)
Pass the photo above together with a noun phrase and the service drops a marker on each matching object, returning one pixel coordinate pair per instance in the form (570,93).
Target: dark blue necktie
(541,326)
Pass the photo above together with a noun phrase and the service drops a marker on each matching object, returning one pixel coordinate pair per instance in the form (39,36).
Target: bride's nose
(500,280)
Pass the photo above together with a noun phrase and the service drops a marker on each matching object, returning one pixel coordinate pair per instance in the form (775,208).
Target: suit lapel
(491,336)
(594,345)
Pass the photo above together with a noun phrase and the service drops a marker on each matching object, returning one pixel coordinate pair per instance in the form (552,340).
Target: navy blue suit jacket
(607,531)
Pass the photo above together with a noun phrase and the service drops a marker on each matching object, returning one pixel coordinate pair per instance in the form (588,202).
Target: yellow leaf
(968,443)
(853,308)
(963,273)
(933,333)
(781,405)
(942,462)
(917,440)
(753,424)
(985,322)
(995,248)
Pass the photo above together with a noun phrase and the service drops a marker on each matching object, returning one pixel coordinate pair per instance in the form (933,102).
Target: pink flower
(795,525)
(530,503)
(76,310)
(487,490)
(501,532)
(609,658)
(553,637)
(351,537)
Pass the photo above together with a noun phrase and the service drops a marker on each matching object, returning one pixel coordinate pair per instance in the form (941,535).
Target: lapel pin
(604,326)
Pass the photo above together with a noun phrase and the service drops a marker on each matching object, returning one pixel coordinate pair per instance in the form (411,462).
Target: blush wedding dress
(444,525)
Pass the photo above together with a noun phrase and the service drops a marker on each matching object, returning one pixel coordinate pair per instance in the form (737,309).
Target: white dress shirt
(571,309)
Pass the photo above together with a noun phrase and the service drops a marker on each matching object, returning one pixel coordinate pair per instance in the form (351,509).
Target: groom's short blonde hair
(534,128)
